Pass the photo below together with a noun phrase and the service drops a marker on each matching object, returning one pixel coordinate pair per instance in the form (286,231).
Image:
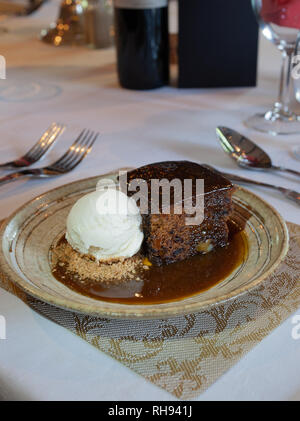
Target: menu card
(217,43)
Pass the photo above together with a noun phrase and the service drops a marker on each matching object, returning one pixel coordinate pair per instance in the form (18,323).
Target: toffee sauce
(167,283)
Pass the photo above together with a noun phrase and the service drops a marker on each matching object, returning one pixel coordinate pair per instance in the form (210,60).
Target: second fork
(39,150)
(71,159)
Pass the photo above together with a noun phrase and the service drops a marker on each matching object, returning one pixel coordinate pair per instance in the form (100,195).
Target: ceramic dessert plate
(27,236)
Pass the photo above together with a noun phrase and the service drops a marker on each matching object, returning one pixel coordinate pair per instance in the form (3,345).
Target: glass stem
(282,106)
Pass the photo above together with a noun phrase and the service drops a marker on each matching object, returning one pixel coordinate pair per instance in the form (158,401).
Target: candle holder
(82,22)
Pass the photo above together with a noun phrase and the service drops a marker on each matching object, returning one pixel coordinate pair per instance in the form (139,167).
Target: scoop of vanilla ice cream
(105,224)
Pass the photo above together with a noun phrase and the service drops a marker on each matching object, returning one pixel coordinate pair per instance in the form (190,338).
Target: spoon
(288,193)
(246,153)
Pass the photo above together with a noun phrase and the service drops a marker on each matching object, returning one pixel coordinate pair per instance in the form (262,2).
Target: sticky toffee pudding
(158,258)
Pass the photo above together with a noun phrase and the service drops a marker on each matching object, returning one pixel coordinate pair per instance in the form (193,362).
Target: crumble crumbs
(82,267)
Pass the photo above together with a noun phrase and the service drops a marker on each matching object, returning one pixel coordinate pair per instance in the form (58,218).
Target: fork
(39,150)
(73,157)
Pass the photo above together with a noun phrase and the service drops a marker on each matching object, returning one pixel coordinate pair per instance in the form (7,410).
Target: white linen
(40,360)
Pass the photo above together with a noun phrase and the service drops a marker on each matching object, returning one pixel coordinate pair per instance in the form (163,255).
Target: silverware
(245,152)
(39,150)
(74,155)
(288,193)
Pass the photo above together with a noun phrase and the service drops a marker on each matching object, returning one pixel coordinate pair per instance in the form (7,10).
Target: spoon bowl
(245,152)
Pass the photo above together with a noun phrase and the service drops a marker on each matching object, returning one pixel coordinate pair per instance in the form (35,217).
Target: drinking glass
(279,21)
(21,86)
(11,8)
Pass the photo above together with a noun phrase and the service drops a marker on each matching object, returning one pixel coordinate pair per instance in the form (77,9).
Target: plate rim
(131,311)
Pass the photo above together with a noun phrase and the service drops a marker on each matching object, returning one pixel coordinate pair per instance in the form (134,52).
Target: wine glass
(279,21)
(9,9)
(16,87)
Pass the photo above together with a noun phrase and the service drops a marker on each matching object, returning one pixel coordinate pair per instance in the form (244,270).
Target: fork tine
(73,164)
(45,142)
(42,139)
(79,150)
(76,150)
(71,149)
(44,147)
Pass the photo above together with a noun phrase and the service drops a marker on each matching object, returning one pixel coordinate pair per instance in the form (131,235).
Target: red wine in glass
(279,21)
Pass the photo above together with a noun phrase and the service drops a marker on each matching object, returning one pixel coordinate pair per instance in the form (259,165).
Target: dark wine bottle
(142,41)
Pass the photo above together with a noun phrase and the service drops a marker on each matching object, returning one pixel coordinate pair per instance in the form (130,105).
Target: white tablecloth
(40,360)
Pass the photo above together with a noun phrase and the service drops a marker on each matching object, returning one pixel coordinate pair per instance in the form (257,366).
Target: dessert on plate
(115,250)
